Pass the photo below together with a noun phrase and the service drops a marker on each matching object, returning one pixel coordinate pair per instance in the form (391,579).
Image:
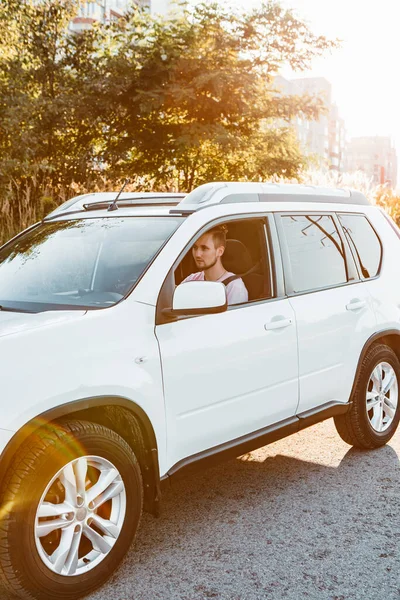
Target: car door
(228,374)
(366,248)
(333,307)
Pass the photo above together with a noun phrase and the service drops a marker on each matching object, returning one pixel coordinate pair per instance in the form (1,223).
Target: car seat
(237,259)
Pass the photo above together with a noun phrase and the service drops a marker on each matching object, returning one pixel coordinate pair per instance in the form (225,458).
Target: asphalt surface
(306,517)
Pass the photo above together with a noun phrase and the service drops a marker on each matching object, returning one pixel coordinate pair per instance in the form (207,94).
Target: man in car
(207,253)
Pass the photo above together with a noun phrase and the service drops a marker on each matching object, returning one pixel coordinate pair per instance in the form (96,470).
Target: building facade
(105,11)
(375,156)
(98,10)
(325,138)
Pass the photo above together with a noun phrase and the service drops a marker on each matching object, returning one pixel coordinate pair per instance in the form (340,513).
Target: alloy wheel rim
(382,397)
(80,516)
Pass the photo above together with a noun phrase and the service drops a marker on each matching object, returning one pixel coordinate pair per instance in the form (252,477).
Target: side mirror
(198,298)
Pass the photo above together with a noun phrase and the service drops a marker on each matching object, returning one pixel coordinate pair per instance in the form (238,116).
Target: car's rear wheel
(73,501)
(374,413)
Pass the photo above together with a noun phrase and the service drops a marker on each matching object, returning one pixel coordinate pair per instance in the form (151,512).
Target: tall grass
(25,203)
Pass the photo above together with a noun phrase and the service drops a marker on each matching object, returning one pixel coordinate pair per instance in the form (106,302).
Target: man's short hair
(219,234)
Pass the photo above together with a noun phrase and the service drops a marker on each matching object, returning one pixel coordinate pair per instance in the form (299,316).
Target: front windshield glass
(83,263)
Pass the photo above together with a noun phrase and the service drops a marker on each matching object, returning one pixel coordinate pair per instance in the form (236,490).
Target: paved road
(306,517)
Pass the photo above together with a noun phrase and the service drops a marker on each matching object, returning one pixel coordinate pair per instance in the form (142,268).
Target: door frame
(272,259)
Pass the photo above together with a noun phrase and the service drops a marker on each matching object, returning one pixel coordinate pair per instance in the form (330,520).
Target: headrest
(236,257)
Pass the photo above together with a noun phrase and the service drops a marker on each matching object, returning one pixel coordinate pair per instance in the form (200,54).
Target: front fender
(111,353)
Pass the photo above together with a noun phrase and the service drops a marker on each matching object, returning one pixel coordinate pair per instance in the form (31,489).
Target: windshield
(83,263)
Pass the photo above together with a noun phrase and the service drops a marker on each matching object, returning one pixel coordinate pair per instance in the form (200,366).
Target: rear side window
(316,252)
(364,243)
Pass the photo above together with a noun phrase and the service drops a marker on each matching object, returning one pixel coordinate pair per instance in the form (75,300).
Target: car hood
(12,322)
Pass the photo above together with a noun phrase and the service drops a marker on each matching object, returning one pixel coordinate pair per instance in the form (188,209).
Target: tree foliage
(197,92)
(177,102)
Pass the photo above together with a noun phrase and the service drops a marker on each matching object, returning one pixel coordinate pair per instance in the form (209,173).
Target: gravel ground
(306,517)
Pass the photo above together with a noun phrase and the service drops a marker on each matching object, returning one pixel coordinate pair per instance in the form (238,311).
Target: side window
(316,252)
(245,253)
(364,243)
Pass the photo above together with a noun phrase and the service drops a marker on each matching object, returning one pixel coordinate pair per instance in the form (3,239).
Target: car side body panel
(331,338)
(227,375)
(111,352)
(385,288)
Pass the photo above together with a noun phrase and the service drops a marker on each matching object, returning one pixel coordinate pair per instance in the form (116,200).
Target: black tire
(354,427)
(22,570)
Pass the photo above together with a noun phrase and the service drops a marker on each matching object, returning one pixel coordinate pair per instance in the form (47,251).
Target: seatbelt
(228,280)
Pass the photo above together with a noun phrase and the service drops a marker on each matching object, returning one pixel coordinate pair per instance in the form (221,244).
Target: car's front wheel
(374,413)
(72,502)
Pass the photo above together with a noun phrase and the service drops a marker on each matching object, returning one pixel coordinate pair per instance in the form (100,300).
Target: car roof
(242,192)
(87,202)
(248,197)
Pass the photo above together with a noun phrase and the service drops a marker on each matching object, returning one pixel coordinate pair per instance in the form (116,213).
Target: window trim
(356,261)
(164,297)
(270,259)
(350,266)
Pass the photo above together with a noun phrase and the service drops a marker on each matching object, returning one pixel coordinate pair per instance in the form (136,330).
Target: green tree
(195,96)
(175,102)
(47,136)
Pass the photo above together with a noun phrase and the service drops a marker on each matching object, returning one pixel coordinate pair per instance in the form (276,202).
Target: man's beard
(206,267)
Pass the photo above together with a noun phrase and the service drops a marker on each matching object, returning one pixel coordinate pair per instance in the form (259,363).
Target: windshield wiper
(9,309)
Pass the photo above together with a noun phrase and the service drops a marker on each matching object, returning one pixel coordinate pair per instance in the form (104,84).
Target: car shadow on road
(274,504)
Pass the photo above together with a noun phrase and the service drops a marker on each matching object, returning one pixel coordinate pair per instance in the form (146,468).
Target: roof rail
(211,194)
(132,202)
(102,200)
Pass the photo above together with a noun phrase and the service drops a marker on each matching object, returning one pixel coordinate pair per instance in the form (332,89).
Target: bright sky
(364,73)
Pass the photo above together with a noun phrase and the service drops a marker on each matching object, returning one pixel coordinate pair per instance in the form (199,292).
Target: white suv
(116,377)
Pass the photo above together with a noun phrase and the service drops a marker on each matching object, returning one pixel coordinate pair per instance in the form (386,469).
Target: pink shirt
(236,291)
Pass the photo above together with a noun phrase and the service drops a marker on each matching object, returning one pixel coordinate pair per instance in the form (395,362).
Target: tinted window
(364,243)
(315,251)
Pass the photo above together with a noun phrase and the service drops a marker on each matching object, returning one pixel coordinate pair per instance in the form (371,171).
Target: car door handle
(278,323)
(356,304)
